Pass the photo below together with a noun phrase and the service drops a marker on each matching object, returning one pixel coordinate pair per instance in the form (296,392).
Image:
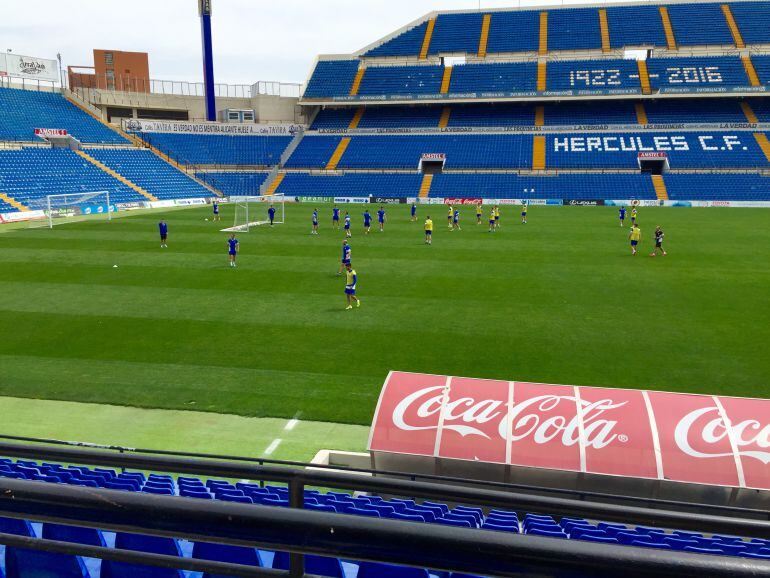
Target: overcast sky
(253,39)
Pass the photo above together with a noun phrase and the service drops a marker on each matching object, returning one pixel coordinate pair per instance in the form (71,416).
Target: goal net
(60,208)
(254,211)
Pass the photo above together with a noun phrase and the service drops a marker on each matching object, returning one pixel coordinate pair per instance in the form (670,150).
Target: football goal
(61,208)
(255,211)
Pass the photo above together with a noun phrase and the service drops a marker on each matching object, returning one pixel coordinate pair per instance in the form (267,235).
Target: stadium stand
(521,76)
(590,113)
(25,110)
(514,32)
(699,24)
(500,114)
(714,72)
(576,29)
(407,43)
(753,21)
(234,182)
(209,149)
(401,80)
(150,172)
(635,26)
(592,75)
(331,78)
(31,173)
(456,33)
(21,562)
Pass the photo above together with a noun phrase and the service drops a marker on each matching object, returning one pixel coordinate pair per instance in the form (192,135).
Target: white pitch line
(273,446)
(291,424)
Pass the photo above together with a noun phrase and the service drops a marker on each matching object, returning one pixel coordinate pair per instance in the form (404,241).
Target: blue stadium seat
(23,563)
(218,149)
(226,553)
(138,542)
(318,565)
(375,570)
(408,43)
(331,78)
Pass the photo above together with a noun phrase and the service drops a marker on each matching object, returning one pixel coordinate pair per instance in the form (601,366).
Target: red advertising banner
(43,132)
(647,434)
(461,201)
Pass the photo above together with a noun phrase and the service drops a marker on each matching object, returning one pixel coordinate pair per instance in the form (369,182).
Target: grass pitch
(558,300)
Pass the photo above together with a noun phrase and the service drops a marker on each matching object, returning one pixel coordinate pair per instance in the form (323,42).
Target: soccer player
(622,215)
(414,211)
(351,279)
(232,249)
(215,207)
(497,217)
(658,242)
(492,221)
(347,224)
(428,230)
(456,220)
(271,214)
(336,217)
(449,217)
(163,228)
(478,214)
(345,256)
(367,221)
(315,222)
(633,216)
(524,208)
(381,218)
(635,236)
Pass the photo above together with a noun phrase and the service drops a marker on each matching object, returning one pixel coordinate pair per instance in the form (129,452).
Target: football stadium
(488,296)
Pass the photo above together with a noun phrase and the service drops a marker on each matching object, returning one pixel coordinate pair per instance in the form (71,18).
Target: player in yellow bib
(428,231)
(478,214)
(635,236)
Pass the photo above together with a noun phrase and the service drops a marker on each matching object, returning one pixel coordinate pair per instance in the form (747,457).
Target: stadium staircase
(95,114)
(736,33)
(484,38)
(427,38)
(114,174)
(337,154)
(12,202)
(425,185)
(660,187)
(667,28)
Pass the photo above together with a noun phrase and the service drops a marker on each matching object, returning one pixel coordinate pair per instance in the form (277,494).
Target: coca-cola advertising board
(654,435)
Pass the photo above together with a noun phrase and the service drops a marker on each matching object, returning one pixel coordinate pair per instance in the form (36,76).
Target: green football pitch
(559,300)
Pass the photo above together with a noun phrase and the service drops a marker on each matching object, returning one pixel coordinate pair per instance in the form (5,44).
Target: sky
(253,39)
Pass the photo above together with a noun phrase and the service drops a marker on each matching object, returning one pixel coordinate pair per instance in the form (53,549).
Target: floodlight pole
(204,10)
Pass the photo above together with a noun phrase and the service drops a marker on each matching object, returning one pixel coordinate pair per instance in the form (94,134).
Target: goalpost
(63,207)
(252,211)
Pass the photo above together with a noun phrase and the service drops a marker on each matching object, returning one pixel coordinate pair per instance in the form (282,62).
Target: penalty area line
(273,446)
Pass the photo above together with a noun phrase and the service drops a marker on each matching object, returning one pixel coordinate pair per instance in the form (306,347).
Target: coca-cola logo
(31,67)
(708,427)
(526,419)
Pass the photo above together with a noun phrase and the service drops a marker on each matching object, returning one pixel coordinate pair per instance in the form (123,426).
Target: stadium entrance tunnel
(655,163)
(432,163)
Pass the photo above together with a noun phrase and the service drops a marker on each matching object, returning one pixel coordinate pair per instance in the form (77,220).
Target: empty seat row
(613,76)
(217,149)
(25,110)
(580,29)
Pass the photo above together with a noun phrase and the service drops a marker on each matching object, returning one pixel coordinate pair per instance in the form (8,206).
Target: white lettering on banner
(138,125)
(646,143)
(598,433)
(714,431)
(44,132)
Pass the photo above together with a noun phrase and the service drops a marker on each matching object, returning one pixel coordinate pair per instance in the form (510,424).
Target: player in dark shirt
(232,249)
(163,228)
(658,242)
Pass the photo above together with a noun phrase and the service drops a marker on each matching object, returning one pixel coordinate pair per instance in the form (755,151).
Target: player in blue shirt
(163,228)
(414,212)
(347,225)
(622,215)
(215,207)
(315,222)
(367,221)
(456,220)
(351,279)
(271,214)
(336,217)
(345,256)
(232,249)
(381,218)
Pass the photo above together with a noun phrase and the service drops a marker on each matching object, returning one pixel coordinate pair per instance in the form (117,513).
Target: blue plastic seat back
(152,544)
(64,533)
(376,570)
(226,553)
(14,526)
(319,565)
(22,563)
